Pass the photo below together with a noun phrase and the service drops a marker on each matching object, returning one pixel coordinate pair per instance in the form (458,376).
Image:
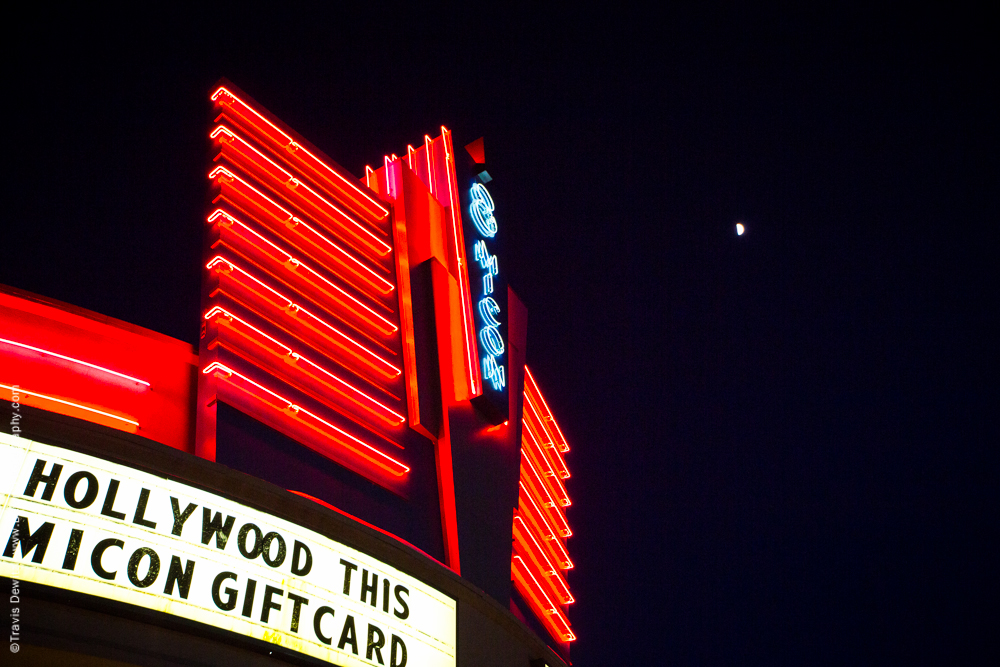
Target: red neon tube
(291,308)
(270,169)
(360,447)
(78,406)
(471,348)
(551,451)
(348,390)
(549,477)
(561,442)
(338,294)
(534,513)
(547,612)
(548,448)
(549,572)
(304,157)
(281,215)
(75,361)
(546,498)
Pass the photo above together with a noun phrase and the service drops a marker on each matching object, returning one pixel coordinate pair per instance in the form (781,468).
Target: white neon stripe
(75,361)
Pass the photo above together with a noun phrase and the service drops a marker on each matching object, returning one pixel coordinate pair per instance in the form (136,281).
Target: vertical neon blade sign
(489,295)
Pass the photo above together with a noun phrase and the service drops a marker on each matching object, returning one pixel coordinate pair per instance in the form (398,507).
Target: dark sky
(784,444)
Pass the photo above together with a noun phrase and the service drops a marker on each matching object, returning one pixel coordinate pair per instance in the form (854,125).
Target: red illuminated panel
(301,327)
(309,368)
(262,208)
(532,392)
(347,345)
(536,454)
(541,604)
(468,327)
(296,270)
(110,374)
(263,168)
(528,545)
(297,155)
(541,437)
(72,408)
(337,437)
(434,164)
(540,526)
(530,476)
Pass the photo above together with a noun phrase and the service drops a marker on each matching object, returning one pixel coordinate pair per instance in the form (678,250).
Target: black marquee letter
(109,501)
(69,491)
(404,614)
(303,570)
(182,577)
(140,511)
(151,574)
(297,601)
(258,539)
(95,557)
(348,568)
(269,604)
(37,541)
(72,549)
(230,592)
(375,645)
(348,636)
(49,480)
(266,551)
(317,621)
(369,588)
(210,524)
(180,517)
(398,643)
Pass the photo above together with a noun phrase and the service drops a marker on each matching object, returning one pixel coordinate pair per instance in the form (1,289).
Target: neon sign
(490,339)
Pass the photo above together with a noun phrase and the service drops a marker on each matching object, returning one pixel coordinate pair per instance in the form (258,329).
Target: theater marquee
(78,522)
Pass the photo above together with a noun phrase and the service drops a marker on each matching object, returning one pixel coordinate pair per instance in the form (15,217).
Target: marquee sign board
(78,522)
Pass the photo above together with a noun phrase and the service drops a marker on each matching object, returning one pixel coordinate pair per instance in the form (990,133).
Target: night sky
(784,444)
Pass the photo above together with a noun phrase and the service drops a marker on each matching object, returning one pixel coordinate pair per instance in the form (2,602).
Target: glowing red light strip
(409,154)
(369,452)
(427,155)
(382,247)
(533,512)
(299,264)
(295,222)
(297,147)
(471,350)
(295,308)
(20,390)
(562,444)
(558,549)
(537,595)
(560,464)
(219,310)
(551,573)
(75,361)
(551,503)
(556,487)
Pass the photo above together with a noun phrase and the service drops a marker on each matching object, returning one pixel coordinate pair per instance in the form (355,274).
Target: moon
(740,229)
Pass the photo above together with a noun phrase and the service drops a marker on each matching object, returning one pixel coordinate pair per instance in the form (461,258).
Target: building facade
(354,467)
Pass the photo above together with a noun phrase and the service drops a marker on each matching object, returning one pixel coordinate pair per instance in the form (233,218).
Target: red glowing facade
(343,318)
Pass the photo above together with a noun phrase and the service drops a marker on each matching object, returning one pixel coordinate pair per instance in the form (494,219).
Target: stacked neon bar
(539,561)
(302,311)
